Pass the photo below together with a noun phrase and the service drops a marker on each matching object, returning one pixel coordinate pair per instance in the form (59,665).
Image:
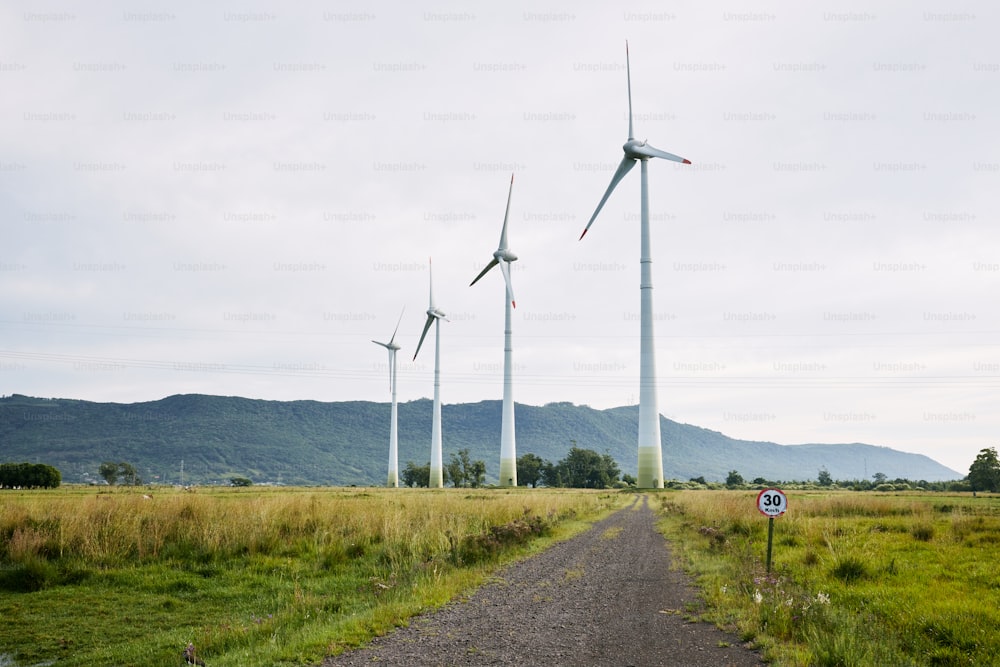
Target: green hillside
(308,442)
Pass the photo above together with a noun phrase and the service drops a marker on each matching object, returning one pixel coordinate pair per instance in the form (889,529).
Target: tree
(459,467)
(529,469)
(109,471)
(240,481)
(583,469)
(734,479)
(128,474)
(879,478)
(984,473)
(29,476)
(463,471)
(477,474)
(414,475)
(125,472)
(551,475)
(824,478)
(629,479)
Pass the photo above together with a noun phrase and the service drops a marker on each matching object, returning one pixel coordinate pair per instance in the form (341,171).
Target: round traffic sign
(772,502)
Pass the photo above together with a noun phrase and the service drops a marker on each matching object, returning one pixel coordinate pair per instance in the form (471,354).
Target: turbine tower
(434,316)
(508,448)
(650,456)
(392,347)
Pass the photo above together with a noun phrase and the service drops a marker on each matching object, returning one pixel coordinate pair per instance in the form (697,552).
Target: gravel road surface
(606,597)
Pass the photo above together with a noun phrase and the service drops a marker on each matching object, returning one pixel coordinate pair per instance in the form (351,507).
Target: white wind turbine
(392,347)
(650,456)
(434,316)
(508,449)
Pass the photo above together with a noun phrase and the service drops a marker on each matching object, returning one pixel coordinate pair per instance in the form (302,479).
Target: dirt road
(606,597)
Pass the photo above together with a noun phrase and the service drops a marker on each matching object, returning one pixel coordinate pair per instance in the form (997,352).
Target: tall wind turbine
(434,316)
(392,347)
(650,456)
(508,449)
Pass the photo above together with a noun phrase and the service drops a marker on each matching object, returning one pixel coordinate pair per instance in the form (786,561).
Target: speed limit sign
(772,502)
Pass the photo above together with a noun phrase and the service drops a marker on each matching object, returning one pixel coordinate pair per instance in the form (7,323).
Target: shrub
(490,543)
(849,569)
(32,575)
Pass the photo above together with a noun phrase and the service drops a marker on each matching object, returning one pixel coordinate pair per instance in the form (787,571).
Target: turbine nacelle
(436,313)
(641,150)
(389,346)
(505,255)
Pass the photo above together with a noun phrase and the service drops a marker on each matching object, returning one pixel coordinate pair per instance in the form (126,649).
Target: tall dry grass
(113,529)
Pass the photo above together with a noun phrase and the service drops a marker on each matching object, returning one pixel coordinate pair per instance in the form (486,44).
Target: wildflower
(724,589)
(823,598)
(757,597)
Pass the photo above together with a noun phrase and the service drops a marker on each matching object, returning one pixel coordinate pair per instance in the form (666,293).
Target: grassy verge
(251,577)
(857,579)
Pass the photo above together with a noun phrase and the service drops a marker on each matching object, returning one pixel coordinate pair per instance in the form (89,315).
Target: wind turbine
(650,457)
(434,316)
(393,479)
(508,449)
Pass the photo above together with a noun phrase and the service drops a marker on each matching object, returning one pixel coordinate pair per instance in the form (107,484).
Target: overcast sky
(235,198)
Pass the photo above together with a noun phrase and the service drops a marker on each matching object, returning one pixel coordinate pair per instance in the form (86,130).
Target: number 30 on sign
(772,502)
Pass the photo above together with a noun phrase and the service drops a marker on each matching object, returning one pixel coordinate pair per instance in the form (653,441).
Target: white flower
(757,597)
(724,589)
(823,598)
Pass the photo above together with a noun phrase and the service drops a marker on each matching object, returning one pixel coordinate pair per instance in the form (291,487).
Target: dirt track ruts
(605,597)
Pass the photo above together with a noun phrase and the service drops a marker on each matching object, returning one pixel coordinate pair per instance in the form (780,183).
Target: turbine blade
(482,273)
(427,325)
(623,168)
(505,268)
(430,272)
(506,215)
(385,345)
(391,340)
(628,77)
(649,151)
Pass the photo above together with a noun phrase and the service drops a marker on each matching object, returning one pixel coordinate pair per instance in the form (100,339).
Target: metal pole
(770,537)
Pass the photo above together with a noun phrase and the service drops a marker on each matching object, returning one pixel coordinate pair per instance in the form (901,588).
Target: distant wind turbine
(650,456)
(393,479)
(508,449)
(434,316)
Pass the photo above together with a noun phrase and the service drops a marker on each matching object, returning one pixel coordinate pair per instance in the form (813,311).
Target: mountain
(309,442)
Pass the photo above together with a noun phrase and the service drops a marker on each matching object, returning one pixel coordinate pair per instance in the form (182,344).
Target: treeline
(878,482)
(29,476)
(581,469)
(460,471)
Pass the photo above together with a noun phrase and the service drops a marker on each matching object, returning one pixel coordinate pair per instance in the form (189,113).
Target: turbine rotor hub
(630,147)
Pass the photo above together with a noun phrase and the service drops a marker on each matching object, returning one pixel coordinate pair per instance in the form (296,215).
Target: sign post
(771,503)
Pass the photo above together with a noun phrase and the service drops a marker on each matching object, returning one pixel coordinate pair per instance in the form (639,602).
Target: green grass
(251,577)
(857,579)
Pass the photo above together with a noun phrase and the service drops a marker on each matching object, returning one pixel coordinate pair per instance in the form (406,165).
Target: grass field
(250,576)
(857,578)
